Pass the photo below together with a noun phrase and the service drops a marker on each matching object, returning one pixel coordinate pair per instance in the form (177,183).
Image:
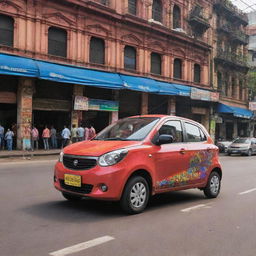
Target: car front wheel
(249,153)
(212,188)
(135,195)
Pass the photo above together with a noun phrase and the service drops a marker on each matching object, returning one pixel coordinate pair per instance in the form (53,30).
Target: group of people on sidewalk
(6,139)
(49,137)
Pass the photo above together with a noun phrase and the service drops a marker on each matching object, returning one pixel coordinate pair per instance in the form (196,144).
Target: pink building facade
(163,41)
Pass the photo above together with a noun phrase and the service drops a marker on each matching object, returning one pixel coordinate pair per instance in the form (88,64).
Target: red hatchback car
(138,157)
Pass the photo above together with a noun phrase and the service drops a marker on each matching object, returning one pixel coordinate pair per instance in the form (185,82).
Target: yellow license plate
(73,180)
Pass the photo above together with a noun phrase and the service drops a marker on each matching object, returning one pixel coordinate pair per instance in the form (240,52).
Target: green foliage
(252,83)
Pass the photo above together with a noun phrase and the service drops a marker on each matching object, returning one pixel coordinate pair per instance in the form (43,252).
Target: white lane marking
(247,191)
(195,207)
(82,246)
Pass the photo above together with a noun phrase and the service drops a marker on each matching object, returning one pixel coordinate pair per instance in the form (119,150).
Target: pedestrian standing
(53,135)
(65,136)
(74,134)
(91,132)
(1,137)
(46,136)
(9,139)
(27,138)
(34,138)
(80,133)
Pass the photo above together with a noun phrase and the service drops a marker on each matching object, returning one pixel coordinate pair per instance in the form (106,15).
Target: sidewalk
(21,153)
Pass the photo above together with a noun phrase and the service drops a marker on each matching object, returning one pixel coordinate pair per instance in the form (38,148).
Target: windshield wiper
(116,138)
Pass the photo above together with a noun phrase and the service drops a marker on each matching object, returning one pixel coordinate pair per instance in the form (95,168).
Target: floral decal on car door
(198,166)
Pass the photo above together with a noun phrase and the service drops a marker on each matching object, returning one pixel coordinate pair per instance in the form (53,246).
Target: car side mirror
(164,139)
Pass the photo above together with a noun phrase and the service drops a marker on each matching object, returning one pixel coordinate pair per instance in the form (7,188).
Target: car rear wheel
(135,195)
(249,153)
(212,188)
(70,197)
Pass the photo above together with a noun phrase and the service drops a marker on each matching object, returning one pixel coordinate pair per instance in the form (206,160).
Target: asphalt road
(35,220)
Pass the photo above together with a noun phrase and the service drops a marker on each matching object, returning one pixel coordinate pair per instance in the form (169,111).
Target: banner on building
(103,105)
(198,94)
(252,106)
(81,103)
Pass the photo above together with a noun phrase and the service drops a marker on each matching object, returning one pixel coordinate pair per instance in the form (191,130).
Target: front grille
(79,162)
(84,189)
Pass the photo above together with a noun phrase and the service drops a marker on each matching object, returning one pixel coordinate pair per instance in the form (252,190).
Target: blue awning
(141,84)
(174,89)
(78,75)
(17,66)
(237,112)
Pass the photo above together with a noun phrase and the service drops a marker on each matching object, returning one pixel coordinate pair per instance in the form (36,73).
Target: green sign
(103,105)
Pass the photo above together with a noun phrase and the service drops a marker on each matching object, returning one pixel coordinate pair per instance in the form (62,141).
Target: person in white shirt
(65,136)
(80,133)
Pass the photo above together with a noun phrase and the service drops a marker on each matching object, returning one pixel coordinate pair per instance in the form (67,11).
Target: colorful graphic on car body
(198,167)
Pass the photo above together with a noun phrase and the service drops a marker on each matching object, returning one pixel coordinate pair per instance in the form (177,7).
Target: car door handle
(182,151)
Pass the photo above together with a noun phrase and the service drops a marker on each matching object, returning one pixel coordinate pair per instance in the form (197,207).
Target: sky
(245,5)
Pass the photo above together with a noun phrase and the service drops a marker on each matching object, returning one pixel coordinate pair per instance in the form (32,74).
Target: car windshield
(242,140)
(136,128)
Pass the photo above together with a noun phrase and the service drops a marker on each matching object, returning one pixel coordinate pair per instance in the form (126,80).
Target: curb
(27,154)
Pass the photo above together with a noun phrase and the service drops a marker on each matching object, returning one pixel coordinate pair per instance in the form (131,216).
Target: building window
(156,63)
(176,17)
(157,10)
(219,78)
(97,51)
(197,73)
(233,88)
(129,58)
(177,72)
(241,91)
(104,2)
(6,30)
(57,42)
(132,7)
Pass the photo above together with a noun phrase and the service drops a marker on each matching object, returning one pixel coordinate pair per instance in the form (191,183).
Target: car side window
(194,133)
(173,128)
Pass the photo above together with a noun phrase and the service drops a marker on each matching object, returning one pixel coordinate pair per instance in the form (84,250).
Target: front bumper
(92,180)
(237,150)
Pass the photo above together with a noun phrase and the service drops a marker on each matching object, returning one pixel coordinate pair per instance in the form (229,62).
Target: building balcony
(240,37)
(232,12)
(198,20)
(232,60)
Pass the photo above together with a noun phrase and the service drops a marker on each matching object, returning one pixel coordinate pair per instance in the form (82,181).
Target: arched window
(129,58)
(177,69)
(176,17)
(197,73)
(97,50)
(241,90)
(156,63)
(105,2)
(6,30)
(157,10)
(219,78)
(57,42)
(233,87)
(132,7)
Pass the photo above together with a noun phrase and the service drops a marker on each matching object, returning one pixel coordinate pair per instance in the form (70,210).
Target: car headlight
(61,157)
(113,157)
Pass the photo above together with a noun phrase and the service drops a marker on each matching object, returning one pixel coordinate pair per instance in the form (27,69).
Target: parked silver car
(243,146)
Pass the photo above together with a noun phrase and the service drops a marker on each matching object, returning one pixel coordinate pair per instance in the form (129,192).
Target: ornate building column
(24,107)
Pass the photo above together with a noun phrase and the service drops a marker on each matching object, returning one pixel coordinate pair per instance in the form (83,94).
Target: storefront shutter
(57,42)
(6,30)
(97,51)
(157,10)
(132,7)
(156,63)
(130,58)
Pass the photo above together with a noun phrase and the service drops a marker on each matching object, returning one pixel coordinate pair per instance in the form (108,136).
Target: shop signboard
(103,105)
(252,106)
(81,103)
(198,94)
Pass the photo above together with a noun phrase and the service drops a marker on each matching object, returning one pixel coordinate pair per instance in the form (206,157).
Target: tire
(228,154)
(135,195)
(212,188)
(70,197)
(249,153)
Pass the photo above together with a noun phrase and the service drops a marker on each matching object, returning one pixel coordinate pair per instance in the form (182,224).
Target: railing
(233,58)
(227,4)
(197,15)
